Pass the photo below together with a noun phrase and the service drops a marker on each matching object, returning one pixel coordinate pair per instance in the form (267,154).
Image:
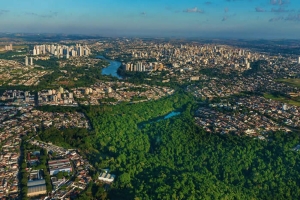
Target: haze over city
(269,19)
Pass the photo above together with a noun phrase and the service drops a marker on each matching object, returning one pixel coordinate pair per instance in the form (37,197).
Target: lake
(157,119)
(112,68)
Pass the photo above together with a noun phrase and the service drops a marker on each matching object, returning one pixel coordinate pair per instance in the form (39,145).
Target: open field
(292,82)
(66,83)
(282,99)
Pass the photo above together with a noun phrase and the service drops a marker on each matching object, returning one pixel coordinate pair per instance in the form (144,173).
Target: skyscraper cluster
(142,67)
(61,50)
(59,96)
(8,47)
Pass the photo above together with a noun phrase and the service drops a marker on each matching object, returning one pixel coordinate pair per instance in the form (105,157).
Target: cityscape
(150,100)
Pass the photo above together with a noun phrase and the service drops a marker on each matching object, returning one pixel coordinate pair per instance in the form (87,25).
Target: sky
(240,19)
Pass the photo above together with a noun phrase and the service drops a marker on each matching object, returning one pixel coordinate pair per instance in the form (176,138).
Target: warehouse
(62,165)
(36,187)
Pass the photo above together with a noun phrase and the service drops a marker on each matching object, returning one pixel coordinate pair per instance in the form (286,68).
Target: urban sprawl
(234,87)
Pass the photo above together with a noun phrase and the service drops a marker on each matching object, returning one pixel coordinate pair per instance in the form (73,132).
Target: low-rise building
(106,177)
(62,165)
(36,187)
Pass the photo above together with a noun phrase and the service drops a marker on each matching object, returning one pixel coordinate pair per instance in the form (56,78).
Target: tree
(124,179)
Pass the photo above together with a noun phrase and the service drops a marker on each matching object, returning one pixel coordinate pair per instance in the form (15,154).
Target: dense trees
(23,175)
(93,191)
(43,162)
(175,159)
(70,138)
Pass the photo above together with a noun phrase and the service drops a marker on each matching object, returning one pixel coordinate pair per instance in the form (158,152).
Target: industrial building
(62,165)
(36,187)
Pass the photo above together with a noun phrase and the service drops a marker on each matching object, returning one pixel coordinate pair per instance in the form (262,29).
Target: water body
(112,68)
(157,119)
(171,114)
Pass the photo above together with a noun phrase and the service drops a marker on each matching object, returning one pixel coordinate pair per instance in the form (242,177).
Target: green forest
(175,159)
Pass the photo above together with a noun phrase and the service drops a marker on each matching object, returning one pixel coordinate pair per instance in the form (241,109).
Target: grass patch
(66,83)
(282,99)
(292,82)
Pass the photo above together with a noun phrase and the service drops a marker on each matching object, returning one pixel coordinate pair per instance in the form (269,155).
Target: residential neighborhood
(253,116)
(119,91)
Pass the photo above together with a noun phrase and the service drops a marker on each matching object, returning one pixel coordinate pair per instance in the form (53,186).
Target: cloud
(279,2)
(273,2)
(193,10)
(291,17)
(49,15)
(281,10)
(259,9)
(295,17)
(226,17)
(3,12)
(275,19)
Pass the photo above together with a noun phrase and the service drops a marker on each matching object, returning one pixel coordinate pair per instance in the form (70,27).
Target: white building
(106,177)
(26,60)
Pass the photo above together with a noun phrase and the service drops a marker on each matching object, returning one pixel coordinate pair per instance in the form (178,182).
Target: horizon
(20,34)
(228,19)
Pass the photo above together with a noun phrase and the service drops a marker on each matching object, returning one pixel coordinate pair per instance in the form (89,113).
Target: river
(112,68)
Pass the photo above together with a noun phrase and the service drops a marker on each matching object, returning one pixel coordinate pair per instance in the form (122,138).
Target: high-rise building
(26,60)
(60,51)
(44,49)
(240,52)
(8,47)
(61,90)
(67,54)
(49,48)
(80,51)
(54,97)
(58,95)
(299,60)
(284,107)
(52,49)
(74,53)
(31,60)
(128,67)
(248,65)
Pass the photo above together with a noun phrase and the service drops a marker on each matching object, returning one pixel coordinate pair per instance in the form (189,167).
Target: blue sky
(180,18)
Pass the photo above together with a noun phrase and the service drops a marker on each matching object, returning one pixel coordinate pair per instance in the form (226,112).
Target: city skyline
(268,19)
